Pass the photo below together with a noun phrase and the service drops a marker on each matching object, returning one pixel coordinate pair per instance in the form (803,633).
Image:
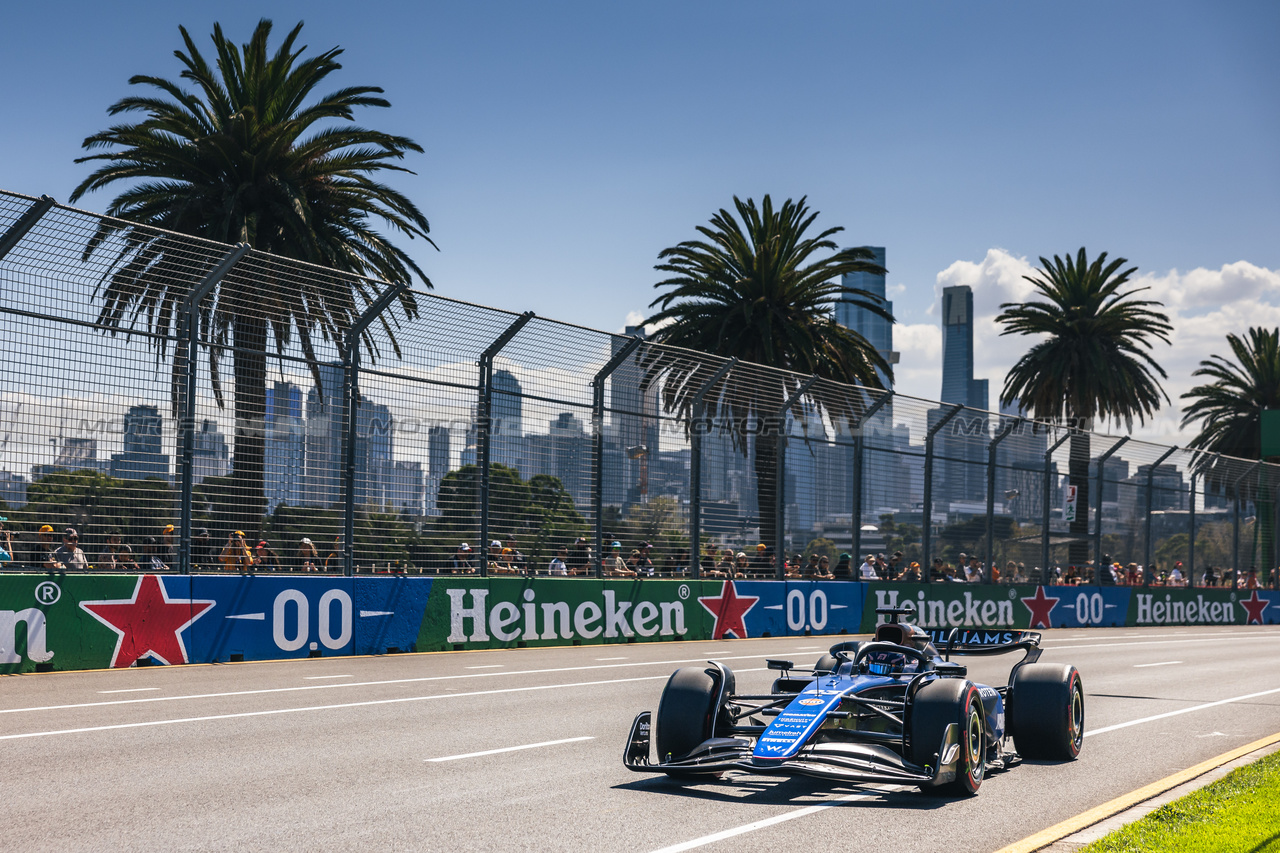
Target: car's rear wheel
(1045,711)
(937,705)
(688,713)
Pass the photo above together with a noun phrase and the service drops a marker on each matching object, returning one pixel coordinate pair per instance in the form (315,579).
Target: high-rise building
(437,465)
(284,448)
(209,455)
(960,448)
(506,439)
(633,411)
(884,485)
(402,487)
(958,384)
(143,456)
(373,453)
(324,436)
(849,313)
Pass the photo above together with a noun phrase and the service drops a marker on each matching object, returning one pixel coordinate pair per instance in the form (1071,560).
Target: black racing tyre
(937,705)
(687,712)
(1045,711)
(826,663)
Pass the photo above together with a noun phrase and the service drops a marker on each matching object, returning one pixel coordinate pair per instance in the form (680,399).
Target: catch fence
(164,393)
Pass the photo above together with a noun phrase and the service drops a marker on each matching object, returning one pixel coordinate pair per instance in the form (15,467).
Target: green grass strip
(1239,813)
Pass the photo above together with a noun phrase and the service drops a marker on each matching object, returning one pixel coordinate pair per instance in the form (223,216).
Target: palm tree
(1093,361)
(756,290)
(250,155)
(1229,410)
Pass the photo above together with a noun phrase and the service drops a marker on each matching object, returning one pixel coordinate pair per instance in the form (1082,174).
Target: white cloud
(1203,305)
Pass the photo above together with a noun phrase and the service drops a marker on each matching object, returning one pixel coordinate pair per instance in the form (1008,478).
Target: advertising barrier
(68,622)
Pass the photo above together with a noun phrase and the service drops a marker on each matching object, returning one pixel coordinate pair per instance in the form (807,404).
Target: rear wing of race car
(971,641)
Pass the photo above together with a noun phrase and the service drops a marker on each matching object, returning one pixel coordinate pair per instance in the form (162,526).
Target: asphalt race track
(422,752)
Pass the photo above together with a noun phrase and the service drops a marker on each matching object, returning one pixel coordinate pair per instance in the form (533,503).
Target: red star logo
(1041,607)
(729,608)
(150,623)
(1254,606)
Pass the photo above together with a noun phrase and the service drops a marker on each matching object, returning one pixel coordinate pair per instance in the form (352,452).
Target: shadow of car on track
(782,791)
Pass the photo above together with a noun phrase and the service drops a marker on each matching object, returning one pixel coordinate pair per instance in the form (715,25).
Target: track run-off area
(521,750)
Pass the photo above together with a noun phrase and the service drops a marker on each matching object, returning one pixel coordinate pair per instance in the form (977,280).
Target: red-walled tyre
(1045,712)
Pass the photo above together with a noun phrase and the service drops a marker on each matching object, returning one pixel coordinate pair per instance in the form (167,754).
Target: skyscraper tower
(507,406)
(877,330)
(958,384)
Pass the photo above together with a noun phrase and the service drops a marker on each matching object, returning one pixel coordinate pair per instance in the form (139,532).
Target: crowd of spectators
(47,549)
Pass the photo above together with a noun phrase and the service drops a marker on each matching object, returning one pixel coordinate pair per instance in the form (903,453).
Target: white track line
(761,824)
(1155,717)
(321,677)
(366,704)
(130,690)
(488,666)
(1229,637)
(511,748)
(419,680)
(1162,663)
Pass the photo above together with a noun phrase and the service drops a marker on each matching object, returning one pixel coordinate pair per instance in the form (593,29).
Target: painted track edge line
(1084,820)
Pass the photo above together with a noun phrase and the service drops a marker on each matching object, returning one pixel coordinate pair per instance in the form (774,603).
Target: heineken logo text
(553,620)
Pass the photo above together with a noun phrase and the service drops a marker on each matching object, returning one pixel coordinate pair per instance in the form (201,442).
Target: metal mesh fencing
(175,404)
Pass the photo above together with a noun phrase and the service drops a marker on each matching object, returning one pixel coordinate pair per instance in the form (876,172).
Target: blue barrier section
(265,618)
(1088,606)
(824,607)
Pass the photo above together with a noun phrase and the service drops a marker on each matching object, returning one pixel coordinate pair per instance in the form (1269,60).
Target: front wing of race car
(850,761)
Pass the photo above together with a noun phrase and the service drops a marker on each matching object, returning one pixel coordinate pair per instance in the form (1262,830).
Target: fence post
(1097,512)
(1151,484)
(597,427)
(484,428)
(188,328)
(855,508)
(351,403)
(1235,523)
(926,528)
(991,494)
(780,484)
(25,223)
(1048,488)
(1191,517)
(695,467)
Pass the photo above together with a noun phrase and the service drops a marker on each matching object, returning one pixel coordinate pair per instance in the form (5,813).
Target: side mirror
(783,665)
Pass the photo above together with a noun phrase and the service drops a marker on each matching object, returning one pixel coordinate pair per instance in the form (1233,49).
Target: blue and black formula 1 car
(890,710)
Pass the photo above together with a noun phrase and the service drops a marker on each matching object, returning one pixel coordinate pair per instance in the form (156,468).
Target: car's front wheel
(937,705)
(688,711)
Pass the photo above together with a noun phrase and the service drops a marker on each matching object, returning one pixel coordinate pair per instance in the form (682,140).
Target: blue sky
(568,143)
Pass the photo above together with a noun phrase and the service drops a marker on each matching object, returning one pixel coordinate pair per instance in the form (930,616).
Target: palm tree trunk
(1078,476)
(250,370)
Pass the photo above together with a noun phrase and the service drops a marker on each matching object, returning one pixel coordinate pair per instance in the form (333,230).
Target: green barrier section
(498,613)
(43,626)
(1199,607)
(942,606)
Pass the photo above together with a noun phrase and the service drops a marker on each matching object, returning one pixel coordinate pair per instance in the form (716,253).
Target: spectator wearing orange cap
(236,556)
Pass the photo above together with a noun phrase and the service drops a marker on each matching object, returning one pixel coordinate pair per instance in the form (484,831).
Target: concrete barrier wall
(67,622)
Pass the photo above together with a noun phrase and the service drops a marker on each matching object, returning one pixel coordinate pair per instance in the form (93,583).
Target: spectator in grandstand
(844,567)
(937,571)
(109,559)
(912,574)
(69,555)
(973,572)
(495,553)
(1211,576)
(559,566)
(6,543)
(168,550)
(45,546)
(741,565)
(727,565)
(460,563)
(519,560)
(151,551)
(893,567)
(1176,577)
(614,565)
(579,557)
(202,555)
(1251,579)
(334,559)
(823,572)
(633,562)
(867,571)
(265,559)
(308,556)
(645,564)
(761,563)
(505,563)
(236,556)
